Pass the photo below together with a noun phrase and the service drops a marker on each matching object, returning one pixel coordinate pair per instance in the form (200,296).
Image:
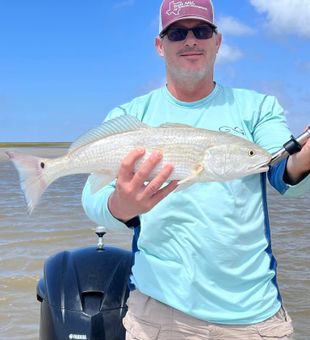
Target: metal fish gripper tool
(292,146)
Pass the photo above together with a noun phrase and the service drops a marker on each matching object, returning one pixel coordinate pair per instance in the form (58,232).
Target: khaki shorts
(148,319)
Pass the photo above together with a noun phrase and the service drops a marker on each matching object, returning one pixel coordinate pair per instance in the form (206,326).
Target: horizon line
(34,144)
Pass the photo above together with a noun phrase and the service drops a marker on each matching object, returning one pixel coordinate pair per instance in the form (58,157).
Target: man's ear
(218,41)
(159,46)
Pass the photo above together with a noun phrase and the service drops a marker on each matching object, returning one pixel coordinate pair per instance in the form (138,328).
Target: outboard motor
(83,293)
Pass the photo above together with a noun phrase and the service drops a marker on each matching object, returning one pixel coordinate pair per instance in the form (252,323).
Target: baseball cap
(175,10)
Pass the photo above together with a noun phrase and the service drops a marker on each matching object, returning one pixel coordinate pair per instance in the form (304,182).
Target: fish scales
(175,144)
(197,155)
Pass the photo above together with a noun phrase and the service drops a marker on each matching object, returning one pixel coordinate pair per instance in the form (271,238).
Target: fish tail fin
(33,180)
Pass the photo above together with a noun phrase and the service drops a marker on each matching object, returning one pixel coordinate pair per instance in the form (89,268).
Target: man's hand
(298,165)
(131,196)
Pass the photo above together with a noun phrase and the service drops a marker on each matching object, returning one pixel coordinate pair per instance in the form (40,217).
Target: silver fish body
(198,155)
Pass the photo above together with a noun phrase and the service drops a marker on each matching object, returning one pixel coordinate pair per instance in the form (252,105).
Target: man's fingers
(146,168)
(163,192)
(132,197)
(126,171)
(153,187)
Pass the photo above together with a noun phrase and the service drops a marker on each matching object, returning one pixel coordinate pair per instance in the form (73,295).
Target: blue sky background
(64,64)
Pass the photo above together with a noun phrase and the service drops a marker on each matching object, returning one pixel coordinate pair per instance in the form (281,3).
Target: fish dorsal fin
(111,127)
(174,125)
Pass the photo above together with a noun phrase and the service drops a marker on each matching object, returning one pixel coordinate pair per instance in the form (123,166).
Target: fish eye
(42,165)
(251,153)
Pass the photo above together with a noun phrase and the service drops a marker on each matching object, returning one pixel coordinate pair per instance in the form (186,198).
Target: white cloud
(228,54)
(286,16)
(232,26)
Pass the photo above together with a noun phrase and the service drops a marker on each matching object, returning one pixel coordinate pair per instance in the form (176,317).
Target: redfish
(198,155)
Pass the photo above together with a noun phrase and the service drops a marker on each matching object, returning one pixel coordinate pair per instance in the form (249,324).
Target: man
(203,266)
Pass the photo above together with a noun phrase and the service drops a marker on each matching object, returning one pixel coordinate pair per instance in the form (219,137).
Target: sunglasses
(179,34)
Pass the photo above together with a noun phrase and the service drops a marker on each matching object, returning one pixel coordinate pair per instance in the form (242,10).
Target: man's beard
(188,78)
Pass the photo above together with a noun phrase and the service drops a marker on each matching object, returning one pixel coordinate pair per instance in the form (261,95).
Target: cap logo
(176,6)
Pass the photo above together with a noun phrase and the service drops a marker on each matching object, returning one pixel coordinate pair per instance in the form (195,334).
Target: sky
(64,64)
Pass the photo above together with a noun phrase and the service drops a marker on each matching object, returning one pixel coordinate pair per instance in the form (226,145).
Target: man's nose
(190,39)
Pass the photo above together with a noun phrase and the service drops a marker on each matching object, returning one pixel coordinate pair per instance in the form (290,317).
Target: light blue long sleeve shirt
(206,250)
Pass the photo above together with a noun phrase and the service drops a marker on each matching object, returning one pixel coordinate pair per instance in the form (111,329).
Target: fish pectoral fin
(183,186)
(188,181)
(192,177)
(99,179)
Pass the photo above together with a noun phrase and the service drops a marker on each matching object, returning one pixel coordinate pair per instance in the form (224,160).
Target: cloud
(232,26)
(228,54)
(124,4)
(286,16)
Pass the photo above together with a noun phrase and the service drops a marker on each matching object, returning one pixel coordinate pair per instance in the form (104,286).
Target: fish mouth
(261,167)
(264,168)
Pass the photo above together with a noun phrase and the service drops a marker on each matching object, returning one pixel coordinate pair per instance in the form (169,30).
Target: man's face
(190,58)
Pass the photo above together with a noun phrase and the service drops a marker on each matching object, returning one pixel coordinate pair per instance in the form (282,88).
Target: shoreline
(34,144)
(44,150)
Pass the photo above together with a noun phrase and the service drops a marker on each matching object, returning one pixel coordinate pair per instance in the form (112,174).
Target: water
(59,223)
